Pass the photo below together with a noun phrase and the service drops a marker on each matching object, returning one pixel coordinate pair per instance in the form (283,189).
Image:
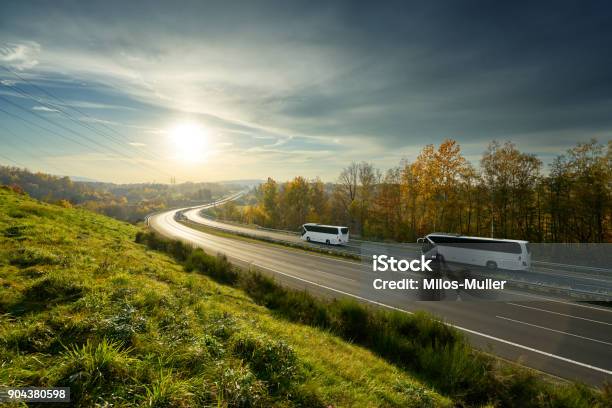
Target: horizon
(135,93)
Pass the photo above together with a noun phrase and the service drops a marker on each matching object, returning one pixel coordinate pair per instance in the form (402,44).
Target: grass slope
(84,306)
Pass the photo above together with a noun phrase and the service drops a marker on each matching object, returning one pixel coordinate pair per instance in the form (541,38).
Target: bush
(217,267)
(351,320)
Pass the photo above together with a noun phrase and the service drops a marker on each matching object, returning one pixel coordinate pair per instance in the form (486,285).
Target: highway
(562,338)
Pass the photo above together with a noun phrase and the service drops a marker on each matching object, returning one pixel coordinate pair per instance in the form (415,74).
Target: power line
(64,103)
(27,153)
(78,135)
(13,161)
(44,128)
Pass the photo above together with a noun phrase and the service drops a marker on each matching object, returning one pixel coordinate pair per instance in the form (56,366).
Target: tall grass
(420,343)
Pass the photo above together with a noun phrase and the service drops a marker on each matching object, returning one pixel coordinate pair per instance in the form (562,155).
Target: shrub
(217,267)
(351,320)
(179,250)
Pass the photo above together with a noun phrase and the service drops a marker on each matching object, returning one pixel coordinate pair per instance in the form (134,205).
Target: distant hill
(84,179)
(245,183)
(128,202)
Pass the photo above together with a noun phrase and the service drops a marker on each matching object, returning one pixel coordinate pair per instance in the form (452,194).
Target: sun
(189,141)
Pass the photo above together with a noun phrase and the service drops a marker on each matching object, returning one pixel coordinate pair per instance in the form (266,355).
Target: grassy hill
(83,305)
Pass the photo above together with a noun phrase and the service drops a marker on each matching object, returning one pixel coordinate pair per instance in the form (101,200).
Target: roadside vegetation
(508,196)
(424,346)
(83,305)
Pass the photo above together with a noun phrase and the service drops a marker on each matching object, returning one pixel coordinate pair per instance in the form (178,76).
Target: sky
(135,91)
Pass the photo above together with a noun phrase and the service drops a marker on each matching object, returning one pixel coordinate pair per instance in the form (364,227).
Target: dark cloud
(407,71)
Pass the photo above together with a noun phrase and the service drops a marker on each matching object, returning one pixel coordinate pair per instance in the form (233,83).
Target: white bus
(328,234)
(493,253)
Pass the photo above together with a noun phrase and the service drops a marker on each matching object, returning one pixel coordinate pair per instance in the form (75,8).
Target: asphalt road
(566,339)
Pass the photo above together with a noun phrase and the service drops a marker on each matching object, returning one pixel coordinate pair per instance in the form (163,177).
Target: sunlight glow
(189,141)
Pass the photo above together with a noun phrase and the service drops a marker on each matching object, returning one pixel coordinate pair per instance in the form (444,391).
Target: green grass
(83,305)
(419,343)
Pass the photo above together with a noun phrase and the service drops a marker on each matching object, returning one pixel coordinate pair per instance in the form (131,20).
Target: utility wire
(13,161)
(66,104)
(15,146)
(72,118)
(79,135)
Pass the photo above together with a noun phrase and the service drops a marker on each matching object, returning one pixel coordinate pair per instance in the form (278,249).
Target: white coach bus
(493,253)
(328,234)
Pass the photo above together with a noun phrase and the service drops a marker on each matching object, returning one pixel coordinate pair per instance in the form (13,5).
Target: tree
(269,200)
(510,178)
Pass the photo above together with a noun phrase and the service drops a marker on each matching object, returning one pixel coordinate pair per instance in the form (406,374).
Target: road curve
(572,341)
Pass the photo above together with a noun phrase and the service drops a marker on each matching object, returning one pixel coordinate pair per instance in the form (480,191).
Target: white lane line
(553,330)
(487,336)
(578,363)
(547,299)
(560,314)
(569,274)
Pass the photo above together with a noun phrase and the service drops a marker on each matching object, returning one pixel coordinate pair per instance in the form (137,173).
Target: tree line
(507,196)
(126,202)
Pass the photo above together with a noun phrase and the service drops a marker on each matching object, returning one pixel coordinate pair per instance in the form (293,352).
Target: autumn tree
(510,178)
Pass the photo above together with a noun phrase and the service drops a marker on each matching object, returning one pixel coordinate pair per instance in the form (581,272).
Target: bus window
(344,231)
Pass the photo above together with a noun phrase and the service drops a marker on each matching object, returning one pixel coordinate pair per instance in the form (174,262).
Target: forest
(126,202)
(509,195)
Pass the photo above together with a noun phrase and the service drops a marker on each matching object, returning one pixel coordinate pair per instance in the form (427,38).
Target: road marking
(487,336)
(603,370)
(553,330)
(601,309)
(568,274)
(560,314)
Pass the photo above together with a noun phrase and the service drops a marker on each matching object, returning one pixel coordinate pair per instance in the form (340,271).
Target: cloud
(362,80)
(21,55)
(137,144)
(44,109)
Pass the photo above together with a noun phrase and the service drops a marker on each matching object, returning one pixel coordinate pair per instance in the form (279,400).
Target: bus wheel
(308,239)
(491,265)
(327,241)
